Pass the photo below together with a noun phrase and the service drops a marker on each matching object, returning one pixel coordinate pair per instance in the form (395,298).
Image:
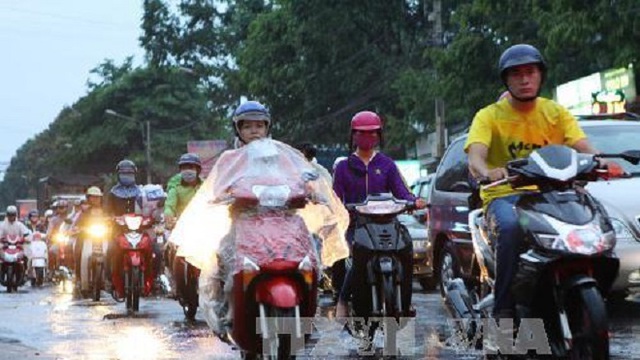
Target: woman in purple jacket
(364,172)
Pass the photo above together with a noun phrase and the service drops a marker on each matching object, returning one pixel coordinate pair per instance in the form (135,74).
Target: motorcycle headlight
(133,222)
(584,239)
(97,230)
(61,238)
(622,231)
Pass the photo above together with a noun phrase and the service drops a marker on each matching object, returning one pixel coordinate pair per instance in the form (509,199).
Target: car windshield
(616,139)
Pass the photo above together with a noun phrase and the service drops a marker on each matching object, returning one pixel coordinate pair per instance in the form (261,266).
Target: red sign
(209,151)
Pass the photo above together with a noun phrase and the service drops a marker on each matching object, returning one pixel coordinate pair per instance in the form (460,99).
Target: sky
(47,49)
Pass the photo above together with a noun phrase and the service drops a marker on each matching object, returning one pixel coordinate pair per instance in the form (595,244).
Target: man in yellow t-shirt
(510,129)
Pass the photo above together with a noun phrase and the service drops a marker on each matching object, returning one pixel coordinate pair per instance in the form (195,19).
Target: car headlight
(421,244)
(622,231)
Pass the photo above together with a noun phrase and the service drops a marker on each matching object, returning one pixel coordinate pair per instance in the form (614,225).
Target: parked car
(450,192)
(422,252)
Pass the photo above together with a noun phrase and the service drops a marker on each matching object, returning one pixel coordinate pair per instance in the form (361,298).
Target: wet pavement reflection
(48,323)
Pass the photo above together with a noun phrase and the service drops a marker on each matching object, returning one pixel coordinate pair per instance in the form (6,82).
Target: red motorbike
(134,278)
(12,262)
(276,272)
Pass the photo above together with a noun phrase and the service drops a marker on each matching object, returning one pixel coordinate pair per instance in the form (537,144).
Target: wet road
(48,323)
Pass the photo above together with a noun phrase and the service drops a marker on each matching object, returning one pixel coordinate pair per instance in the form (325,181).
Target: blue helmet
(190,158)
(252,111)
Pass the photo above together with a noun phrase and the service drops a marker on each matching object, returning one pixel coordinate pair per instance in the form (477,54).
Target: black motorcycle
(382,263)
(567,263)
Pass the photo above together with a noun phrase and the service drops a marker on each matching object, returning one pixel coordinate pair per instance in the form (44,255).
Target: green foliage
(314,63)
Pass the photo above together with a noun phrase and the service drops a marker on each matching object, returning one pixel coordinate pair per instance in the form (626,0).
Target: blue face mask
(189,176)
(127,179)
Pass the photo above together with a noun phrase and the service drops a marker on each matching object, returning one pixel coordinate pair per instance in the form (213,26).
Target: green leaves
(315,64)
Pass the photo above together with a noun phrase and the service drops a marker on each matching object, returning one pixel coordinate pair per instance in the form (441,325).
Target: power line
(66,17)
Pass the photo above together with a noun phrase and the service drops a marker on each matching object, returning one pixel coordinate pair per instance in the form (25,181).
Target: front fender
(278,291)
(578,281)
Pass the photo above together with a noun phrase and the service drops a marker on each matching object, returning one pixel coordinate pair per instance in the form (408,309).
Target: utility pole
(146,138)
(148,151)
(436,17)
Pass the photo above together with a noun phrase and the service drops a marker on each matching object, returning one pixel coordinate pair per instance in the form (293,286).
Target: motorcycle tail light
(306,269)
(249,271)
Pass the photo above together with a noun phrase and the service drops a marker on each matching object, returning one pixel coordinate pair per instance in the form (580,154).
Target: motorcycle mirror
(632,156)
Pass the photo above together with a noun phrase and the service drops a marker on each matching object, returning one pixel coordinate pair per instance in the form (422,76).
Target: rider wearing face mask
(366,171)
(179,196)
(125,197)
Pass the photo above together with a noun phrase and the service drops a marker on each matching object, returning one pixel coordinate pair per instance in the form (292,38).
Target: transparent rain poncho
(240,211)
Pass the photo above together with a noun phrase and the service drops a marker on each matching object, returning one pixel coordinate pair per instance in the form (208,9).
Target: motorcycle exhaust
(455,299)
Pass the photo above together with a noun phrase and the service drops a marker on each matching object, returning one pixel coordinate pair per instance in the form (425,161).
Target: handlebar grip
(484,181)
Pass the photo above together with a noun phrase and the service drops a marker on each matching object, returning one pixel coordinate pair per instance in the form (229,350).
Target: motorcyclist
(55,226)
(125,197)
(35,226)
(510,129)
(179,195)
(33,222)
(90,209)
(251,122)
(11,226)
(365,171)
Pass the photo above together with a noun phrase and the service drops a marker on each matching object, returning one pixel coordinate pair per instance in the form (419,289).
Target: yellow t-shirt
(511,134)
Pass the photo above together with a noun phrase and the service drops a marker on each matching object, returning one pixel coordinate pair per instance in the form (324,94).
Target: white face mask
(189,176)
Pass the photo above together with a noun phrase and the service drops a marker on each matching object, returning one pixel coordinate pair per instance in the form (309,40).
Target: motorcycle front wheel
(280,345)
(96,278)
(39,280)
(588,323)
(10,279)
(190,302)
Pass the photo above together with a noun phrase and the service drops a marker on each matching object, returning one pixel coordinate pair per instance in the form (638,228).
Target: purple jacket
(352,180)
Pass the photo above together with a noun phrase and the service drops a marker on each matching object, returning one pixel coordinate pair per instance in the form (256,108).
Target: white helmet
(12,210)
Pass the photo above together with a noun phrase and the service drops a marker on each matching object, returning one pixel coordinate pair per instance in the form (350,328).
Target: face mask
(365,141)
(127,179)
(189,176)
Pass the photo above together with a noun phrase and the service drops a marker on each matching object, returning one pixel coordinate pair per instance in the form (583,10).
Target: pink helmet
(366,121)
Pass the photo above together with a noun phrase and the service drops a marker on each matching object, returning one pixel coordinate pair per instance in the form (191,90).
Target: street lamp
(147,142)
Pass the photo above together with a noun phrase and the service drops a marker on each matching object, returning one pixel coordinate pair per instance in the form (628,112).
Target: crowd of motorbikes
(563,276)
